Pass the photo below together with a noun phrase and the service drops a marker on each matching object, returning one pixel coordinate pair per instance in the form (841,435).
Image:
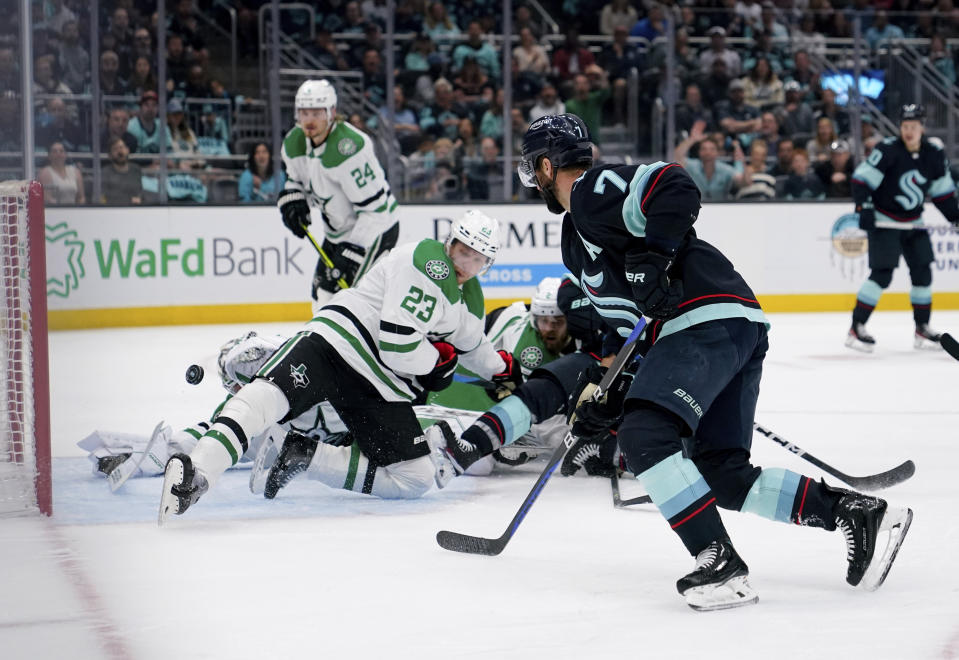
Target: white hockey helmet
(476,230)
(316,94)
(545,299)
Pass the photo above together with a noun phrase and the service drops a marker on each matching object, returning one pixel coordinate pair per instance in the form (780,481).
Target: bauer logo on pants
(298,374)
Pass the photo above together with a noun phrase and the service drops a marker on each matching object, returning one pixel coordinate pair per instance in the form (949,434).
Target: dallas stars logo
(298,374)
(65,265)
(531,357)
(437,269)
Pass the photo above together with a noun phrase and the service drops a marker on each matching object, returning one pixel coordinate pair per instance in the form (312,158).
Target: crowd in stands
(753,120)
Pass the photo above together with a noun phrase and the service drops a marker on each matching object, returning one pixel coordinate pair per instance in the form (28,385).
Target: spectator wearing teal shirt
(475,47)
(261,180)
(881,31)
(714,178)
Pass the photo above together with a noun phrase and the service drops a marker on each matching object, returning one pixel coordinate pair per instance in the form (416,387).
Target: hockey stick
(479,545)
(324,257)
(618,502)
(128,468)
(950,345)
(885,479)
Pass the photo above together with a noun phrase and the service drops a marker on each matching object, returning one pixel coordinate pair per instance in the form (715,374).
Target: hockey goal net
(25,485)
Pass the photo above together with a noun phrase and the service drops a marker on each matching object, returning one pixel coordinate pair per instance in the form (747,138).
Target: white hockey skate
(926,338)
(860,340)
(266,456)
(438,437)
(720,580)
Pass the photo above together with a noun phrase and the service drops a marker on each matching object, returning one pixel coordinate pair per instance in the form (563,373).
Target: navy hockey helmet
(564,139)
(912,111)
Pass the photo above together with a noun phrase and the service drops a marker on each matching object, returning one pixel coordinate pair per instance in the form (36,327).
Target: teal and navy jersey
(896,181)
(620,209)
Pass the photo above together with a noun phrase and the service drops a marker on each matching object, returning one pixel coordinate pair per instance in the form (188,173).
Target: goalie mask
(478,231)
(242,357)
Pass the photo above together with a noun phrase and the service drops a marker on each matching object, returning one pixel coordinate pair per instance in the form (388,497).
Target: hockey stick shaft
(483,546)
(949,345)
(885,479)
(324,257)
(618,502)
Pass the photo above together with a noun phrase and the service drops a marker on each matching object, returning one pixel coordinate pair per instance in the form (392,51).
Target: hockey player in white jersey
(372,351)
(331,167)
(536,336)
(121,456)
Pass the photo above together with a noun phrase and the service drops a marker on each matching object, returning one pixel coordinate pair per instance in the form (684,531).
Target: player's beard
(546,192)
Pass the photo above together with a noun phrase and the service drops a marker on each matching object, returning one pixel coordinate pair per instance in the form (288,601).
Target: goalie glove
(346,258)
(295,211)
(656,295)
(442,374)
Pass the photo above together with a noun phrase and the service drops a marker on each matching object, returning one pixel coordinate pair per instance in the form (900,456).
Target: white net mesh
(18,461)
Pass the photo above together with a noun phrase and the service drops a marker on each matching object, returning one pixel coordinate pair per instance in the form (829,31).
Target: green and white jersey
(344,181)
(384,326)
(513,331)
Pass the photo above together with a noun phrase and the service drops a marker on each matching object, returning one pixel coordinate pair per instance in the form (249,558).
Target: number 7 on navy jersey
(613,178)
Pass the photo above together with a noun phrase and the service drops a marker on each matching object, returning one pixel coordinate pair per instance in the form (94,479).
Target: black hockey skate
(874,532)
(859,339)
(182,487)
(719,581)
(595,455)
(926,338)
(294,458)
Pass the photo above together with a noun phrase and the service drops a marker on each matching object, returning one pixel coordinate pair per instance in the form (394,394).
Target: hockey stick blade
(618,502)
(878,481)
(478,545)
(949,345)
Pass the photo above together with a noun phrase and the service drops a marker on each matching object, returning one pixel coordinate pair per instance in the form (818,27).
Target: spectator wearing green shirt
(590,92)
(713,177)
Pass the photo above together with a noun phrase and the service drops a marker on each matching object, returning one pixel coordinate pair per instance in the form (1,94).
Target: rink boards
(198,264)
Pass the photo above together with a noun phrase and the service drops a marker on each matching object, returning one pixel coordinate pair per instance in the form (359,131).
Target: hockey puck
(194,374)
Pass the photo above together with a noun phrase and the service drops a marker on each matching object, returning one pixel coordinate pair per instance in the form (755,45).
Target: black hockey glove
(590,418)
(442,374)
(867,217)
(598,456)
(656,295)
(347,259)
(295,211)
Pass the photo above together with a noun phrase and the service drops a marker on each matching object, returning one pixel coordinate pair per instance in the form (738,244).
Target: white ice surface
(319,573)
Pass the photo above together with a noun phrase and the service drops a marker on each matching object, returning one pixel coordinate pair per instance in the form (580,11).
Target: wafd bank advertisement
(131,266)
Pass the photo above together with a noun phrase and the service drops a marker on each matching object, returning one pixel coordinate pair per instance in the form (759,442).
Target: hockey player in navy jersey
(889,189)
(687,418)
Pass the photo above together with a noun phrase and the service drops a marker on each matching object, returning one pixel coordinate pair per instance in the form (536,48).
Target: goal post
(25,466)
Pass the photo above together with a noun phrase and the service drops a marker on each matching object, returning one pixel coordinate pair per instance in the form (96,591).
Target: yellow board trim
(301,312)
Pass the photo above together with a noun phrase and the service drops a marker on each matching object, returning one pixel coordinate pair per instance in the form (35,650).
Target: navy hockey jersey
(896,182)
(618,209)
